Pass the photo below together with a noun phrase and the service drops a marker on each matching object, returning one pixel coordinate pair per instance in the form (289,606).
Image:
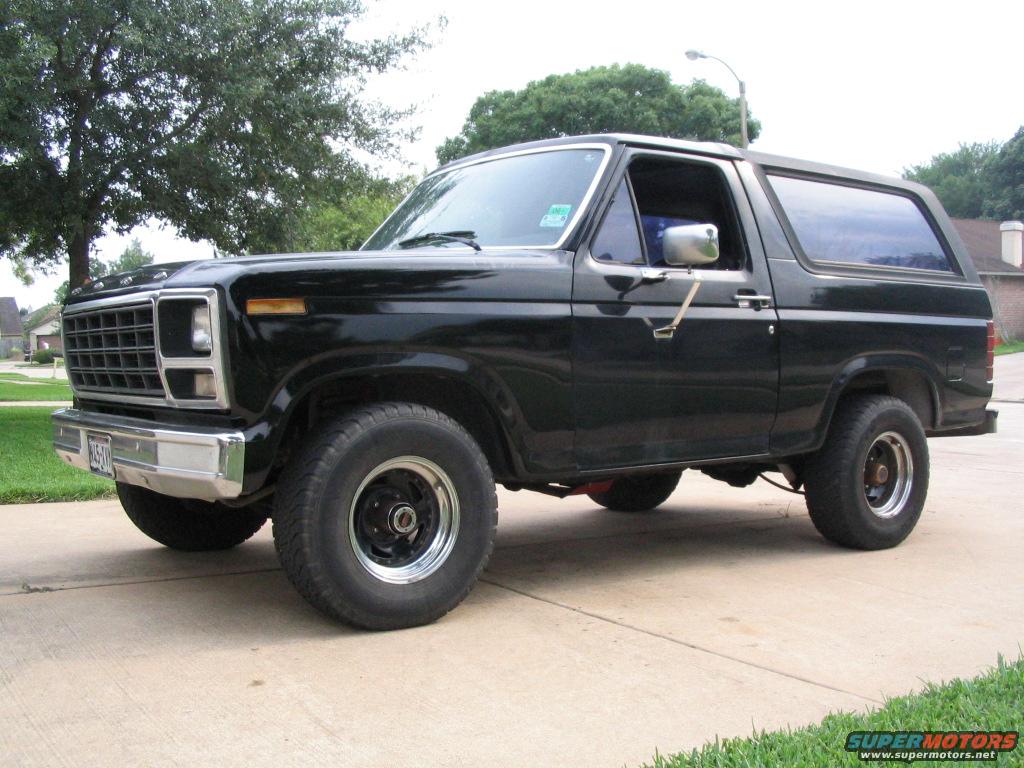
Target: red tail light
(991,357)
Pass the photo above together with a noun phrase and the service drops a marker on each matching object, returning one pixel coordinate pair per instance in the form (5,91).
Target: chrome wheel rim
(888,475)
(404,519)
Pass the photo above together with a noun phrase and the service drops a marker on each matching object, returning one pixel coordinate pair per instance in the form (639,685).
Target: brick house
(997,250)
(43,329)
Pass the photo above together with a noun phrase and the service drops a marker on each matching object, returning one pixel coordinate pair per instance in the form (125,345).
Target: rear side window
(852,225)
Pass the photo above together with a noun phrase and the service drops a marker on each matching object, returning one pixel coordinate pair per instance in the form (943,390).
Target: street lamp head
(693,55)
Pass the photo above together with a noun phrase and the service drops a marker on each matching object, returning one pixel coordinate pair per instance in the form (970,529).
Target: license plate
(99,455)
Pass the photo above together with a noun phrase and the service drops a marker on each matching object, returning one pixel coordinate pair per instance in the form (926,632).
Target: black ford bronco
(584,315)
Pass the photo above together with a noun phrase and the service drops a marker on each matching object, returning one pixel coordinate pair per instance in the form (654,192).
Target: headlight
(202,329)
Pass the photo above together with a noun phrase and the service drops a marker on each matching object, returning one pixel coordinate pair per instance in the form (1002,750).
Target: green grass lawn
(16,386)
(994,701)
(1010,347)
(30,470)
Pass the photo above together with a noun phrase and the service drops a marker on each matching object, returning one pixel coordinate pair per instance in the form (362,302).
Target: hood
(148,278)
(358,274)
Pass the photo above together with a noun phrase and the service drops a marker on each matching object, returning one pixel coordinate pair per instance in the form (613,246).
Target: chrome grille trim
(109,389)
(113,351)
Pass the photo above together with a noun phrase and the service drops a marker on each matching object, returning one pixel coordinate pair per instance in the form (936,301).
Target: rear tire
(188,524)
(867,485)
(637,494)
(387,517)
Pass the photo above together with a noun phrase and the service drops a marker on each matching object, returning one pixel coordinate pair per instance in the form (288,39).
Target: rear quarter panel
(837,324)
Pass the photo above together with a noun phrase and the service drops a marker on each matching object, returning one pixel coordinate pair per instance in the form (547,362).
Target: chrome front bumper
(190,463)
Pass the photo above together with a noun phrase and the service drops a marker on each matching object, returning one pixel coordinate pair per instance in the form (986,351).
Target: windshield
(519,200)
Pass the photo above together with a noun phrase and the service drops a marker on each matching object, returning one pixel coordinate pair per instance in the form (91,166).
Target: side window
(618,239)
(853,225)
(673,193)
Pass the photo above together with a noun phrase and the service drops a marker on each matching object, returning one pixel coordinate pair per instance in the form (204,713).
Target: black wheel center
(396,518)
(877,474)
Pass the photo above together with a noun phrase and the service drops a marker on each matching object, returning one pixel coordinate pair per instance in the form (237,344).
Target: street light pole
(744,141)
(693,55)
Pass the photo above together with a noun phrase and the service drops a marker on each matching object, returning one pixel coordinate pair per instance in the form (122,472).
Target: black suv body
(583,315)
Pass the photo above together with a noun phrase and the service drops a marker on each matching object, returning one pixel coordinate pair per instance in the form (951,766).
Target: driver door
(707,390)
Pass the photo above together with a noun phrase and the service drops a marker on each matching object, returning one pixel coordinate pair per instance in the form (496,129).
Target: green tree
(1006,173)
(218,116)
(960,179)
(131,258)
(345,223)
(630,98)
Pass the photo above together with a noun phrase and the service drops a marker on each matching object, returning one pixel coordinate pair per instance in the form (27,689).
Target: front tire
(187,524)
(867,486)
(387,517)
(637,494)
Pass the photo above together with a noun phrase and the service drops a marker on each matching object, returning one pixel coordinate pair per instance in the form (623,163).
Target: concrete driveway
(594,638)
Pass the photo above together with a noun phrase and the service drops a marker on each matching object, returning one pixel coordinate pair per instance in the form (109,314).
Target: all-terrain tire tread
(637,494)
(302,483)
(182,525)
(824,495)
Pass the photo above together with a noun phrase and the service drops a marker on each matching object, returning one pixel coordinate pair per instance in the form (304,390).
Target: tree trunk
(78,256)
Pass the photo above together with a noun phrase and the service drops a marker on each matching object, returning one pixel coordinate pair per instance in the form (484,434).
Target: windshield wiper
(463,236)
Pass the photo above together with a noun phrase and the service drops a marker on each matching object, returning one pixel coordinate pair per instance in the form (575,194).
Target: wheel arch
(480,403)
(908,378)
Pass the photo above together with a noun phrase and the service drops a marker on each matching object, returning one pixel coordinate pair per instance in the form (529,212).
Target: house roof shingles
(984,244)
(40,316)
(10,320)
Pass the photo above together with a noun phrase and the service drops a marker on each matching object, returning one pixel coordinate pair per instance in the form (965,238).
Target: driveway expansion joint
(27,589)
(683,643)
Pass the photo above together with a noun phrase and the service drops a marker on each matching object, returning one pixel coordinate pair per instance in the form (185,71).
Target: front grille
(113,351)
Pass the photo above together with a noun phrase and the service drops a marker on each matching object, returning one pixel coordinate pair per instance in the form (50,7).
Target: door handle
(757,301)
(648,275)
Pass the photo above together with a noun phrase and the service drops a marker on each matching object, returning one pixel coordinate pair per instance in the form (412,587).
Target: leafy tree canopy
(960,179)
(1006,172)
(344,223)
(978,180)
(217,116)
(132,257)
(630,98)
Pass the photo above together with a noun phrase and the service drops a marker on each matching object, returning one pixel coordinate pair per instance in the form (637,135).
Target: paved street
(595,638)
(1009,381)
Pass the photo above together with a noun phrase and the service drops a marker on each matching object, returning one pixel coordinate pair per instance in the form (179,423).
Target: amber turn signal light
(275,307)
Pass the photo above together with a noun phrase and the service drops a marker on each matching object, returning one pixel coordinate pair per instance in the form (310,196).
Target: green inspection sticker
(556,216)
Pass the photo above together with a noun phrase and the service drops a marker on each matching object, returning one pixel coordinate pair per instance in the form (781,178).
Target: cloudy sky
(872,85)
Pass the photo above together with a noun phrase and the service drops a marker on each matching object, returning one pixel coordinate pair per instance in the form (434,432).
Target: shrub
(43,356)
(16,353)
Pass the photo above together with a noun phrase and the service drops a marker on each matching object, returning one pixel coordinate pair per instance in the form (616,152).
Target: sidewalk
(34,404)
(34,372)
(1009,378)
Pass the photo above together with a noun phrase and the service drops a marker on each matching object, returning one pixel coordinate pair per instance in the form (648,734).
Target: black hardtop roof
(764,161)
(713,149)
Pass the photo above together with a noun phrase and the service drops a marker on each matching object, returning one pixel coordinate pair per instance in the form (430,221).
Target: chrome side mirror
(690,245)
